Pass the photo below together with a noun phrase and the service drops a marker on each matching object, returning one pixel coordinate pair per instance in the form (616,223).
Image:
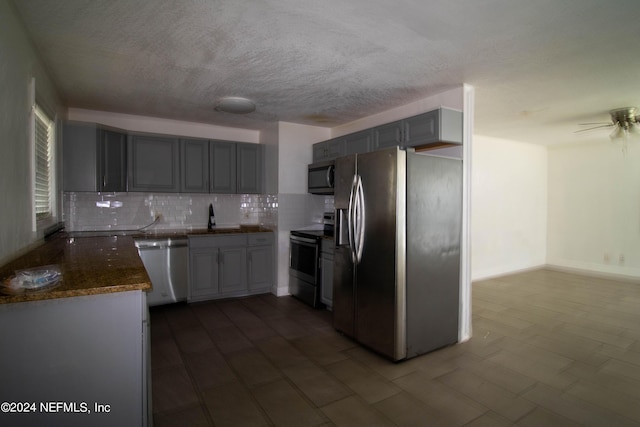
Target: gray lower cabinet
(94,158)
(82,351)
(230,265)
(260,259)
(154,163)
(194,165)
(326,272)
(222,160)
(250,174)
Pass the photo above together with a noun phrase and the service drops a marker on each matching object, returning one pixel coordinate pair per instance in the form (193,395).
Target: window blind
(43,142)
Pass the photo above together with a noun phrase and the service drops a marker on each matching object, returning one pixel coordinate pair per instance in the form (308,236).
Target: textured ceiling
(539,67)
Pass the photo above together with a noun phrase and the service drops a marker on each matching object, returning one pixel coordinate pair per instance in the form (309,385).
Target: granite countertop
(98,262)
(161,233)
(89,266)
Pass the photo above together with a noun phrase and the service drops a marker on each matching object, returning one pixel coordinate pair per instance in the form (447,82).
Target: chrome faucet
(212,218)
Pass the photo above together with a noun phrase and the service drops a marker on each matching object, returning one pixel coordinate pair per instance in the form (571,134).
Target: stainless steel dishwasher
(165,260)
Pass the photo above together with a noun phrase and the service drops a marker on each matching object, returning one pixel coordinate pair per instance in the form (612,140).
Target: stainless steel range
(304,261)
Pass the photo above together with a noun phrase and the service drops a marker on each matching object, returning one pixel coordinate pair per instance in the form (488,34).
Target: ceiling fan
(623,120)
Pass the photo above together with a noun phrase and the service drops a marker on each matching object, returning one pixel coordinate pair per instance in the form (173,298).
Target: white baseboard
(594,273)
(495,275)
(565,269)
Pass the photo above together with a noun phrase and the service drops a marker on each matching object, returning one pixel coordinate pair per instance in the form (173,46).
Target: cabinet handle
(104,181)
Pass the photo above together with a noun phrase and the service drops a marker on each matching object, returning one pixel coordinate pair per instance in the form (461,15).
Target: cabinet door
(328,150)
(319,152)
(203,272)
(233,270)
(360,142)
(249,164)
(222,167)
(260,267)
(113,161)
(194,170)
(79,157)
(326,291)
(421,129)
(387,135)
(154,164)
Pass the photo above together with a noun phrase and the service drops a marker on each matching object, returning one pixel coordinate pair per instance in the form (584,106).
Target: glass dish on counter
(35,279)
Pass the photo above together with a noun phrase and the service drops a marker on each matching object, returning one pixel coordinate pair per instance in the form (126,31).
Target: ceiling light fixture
(235,105)
(624,122)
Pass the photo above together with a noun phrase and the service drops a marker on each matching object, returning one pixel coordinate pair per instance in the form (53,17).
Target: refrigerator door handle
(360,219)
(351,219)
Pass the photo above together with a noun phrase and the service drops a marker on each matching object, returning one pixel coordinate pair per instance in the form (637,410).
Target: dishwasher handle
(161,244)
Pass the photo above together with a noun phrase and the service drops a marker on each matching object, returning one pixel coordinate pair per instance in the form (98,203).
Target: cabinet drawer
(220,241)
(260,239)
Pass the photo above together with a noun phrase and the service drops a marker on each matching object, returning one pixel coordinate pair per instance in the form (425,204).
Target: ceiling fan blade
(595,127)
(596,123)
(618,132)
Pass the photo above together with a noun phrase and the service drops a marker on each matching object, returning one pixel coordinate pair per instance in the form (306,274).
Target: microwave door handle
(329,176)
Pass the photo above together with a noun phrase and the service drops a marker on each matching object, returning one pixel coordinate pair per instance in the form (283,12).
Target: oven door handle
(303,240)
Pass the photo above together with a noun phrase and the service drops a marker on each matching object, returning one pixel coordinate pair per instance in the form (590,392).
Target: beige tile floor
(548,349)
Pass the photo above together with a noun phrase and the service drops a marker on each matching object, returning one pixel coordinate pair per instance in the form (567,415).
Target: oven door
(303,259)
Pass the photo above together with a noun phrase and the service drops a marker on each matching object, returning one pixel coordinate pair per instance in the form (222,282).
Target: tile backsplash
(126,211)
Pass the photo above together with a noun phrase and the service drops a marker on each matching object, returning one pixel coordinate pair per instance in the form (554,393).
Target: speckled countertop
(89,266)
(96,262)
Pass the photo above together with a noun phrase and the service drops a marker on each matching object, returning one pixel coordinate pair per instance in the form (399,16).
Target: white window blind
(43,149)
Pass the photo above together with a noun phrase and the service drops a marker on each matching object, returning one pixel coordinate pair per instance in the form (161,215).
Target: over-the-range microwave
(320,178)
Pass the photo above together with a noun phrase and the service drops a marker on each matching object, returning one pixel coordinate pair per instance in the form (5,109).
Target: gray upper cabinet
(113,160)
(250,174)
(194,168)
(441,125)
(94,159)
(154,163)
(328,150)
(222,162)
(359,142)
(389,135)
(438,126)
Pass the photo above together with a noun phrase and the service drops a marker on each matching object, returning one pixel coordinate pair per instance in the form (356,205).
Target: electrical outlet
(621,259)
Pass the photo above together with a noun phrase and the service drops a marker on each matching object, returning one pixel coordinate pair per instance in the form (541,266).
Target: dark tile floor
(549,349)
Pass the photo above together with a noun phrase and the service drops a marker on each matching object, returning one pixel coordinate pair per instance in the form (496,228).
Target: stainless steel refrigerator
(397,255)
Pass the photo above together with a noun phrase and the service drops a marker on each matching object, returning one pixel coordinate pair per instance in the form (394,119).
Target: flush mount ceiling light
(235,105)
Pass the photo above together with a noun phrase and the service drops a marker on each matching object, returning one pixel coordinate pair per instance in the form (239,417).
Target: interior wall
(18,65)
(509,199)
(594,207)
(296,208)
